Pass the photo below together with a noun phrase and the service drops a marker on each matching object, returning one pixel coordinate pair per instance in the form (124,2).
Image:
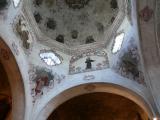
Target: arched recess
(15,81)
(91,88)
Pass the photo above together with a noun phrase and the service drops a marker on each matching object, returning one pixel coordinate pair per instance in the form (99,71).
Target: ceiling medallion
(77,4)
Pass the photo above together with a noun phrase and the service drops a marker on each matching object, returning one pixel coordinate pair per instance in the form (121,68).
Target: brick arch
(15,81)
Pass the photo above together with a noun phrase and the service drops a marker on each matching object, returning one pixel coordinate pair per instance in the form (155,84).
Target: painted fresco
(22,30)
(89,60)
(129,64)
(42,80)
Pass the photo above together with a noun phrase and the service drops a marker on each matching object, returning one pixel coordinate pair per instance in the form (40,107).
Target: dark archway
(99,106)
(5,95)
(68,94)
(13,74)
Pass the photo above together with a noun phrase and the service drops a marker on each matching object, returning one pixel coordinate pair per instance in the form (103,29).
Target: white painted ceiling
(80,23)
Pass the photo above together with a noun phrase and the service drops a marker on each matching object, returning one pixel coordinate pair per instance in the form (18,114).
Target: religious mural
(89,60)
(129,64)
(22,30)
(42,80)
(146,14)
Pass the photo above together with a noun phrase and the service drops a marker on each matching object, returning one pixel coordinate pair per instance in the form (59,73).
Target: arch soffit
(95,87)
(15,80)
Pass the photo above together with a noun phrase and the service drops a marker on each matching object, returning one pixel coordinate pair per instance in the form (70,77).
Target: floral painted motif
(146,14)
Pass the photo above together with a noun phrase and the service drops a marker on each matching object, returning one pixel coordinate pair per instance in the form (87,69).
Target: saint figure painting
(89,63)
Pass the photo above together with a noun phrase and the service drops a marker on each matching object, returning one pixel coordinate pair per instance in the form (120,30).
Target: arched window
(50,57)
(118,42)
(16,3)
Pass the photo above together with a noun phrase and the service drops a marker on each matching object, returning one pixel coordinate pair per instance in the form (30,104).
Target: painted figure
(40,83)
(146,14)
(89,63)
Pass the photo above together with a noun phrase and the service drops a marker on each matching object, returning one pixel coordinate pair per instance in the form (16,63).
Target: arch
(15,81)
(91,88)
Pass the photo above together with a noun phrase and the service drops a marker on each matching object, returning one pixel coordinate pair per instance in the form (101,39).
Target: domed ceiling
(75,22)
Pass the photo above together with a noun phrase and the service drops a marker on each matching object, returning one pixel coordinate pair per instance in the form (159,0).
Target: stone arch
(92,88)
(15,81)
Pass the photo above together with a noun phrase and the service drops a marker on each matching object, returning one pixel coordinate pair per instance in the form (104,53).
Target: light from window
(155,118)
(50,58)
(118,43)
(16,2)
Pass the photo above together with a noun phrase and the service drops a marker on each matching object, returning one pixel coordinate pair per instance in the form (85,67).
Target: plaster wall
(6,32)
(150,49)
(26,61)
